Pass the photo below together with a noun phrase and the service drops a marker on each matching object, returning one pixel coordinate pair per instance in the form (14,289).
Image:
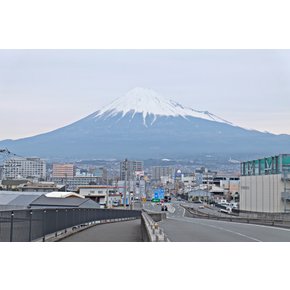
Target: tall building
(19,168)
(63,170)
(162,171)
(131,166)
(265,185)
(101,172)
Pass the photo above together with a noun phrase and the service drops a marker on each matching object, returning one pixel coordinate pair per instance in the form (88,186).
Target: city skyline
(48,89)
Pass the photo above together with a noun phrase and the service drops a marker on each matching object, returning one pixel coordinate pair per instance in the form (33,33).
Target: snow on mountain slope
(148,102)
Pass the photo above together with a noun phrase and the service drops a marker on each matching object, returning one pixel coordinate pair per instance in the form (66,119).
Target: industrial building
(72,183)
(265,185)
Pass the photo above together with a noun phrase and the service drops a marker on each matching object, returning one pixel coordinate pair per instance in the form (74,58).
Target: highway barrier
(38,224)
(151,232)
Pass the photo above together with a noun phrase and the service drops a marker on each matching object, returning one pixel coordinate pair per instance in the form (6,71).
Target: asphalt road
(180,228)
(128,231)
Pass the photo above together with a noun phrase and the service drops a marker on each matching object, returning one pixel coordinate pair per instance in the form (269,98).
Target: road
(128,231)
(180,228)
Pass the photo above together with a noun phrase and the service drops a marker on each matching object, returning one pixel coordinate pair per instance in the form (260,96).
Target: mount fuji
(142,124)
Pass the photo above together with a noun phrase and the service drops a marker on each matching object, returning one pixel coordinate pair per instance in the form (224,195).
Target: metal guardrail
(238,219)
(30,225)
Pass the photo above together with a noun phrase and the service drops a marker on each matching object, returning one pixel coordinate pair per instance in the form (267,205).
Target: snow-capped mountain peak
(148,102)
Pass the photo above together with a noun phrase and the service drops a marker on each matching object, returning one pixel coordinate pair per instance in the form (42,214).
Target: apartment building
(131,167)
(21,168)
(63,170)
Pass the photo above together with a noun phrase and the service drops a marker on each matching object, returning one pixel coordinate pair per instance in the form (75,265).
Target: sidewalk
(128,231)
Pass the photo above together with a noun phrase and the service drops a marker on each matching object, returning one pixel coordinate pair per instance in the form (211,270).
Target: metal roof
(15,198)
(23,200)
(44,201)
(13,182)
(5,199)
(89,204)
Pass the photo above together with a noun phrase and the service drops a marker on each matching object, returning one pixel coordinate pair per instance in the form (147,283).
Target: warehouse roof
(62,194)
(44,201)
(10,200)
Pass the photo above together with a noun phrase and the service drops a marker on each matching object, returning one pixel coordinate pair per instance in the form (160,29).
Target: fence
(29,225)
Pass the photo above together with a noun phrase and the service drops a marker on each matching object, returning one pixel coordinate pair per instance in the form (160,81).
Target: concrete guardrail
(151,232)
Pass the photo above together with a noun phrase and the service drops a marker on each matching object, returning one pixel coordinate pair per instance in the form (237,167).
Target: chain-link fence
(29,225)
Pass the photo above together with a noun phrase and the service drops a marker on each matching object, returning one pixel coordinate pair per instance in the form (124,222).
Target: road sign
(155,200)
(159,193)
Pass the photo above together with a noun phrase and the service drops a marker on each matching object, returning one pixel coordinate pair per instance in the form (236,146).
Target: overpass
(120,225)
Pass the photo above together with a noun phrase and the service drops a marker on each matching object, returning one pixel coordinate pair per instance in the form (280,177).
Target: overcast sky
(41,90)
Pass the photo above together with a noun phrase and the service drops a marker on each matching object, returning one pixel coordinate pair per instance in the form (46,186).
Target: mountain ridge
(132,131)
(148,102)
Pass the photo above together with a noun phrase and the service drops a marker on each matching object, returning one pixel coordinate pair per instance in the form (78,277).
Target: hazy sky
(41,90)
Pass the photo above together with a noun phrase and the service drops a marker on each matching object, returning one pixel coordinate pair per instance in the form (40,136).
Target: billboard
(265,166)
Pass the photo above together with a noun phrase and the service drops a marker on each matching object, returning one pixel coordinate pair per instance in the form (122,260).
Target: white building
(102,194)
(189,182)
(19,168)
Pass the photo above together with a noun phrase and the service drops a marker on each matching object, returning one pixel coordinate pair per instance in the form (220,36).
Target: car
(164,208)
(224,211)
(201,207)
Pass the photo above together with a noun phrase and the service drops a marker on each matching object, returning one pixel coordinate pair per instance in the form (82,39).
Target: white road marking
(219,228)
(263,226)
(253,225)
(234,232)
(183,212)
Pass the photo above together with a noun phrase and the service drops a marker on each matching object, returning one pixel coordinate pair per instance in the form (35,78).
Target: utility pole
(65,181)
(285,191)
(125,189)
(134,191)
(107,192)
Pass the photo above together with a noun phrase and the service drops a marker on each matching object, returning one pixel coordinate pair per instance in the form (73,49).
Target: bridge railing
(30,225)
